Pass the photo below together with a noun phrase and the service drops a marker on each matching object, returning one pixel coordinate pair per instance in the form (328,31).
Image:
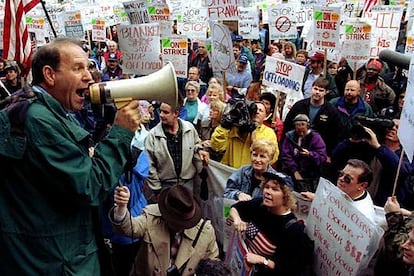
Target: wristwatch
(265,262)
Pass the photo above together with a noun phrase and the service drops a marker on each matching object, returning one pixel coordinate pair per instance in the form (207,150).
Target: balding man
(351,105)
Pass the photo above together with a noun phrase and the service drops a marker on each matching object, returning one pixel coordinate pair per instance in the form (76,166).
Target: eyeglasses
(190,90)
(201,46)
(347,177)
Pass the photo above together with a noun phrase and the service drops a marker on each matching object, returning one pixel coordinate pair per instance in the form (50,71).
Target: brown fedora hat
(178,206)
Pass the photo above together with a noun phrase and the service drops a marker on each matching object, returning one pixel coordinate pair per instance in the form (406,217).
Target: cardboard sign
(73,25)
(357,41)
(326,27)
(406,129)
(140,46)
(175,50)
(282,21)
(386,27)
(345,239)
(283,75)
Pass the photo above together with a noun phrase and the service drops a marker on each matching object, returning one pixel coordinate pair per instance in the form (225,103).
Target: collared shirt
(175,144)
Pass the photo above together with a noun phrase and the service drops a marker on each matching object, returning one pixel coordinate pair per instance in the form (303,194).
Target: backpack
(13,112)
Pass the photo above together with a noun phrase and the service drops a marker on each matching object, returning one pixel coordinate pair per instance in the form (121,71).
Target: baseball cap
(317,56)
(112,57)
(243,59)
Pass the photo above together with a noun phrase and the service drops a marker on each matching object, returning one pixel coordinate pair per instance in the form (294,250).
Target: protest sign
(249,23)
(406,128)
(120,16)
(345,239)
(140,46)
(304,14)
(286,77)
(235,255)
(137,11)
(193,22)
(222,49)
(357,40)
(282,21)
(56,14)
(37,26)
(386,26)
(73,25)
(98,30)
(283,75)
(160,13)
(222,10)
(174,49)
(176,8)
(326,27)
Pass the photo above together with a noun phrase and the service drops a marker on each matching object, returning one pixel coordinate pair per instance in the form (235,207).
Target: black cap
(278,177)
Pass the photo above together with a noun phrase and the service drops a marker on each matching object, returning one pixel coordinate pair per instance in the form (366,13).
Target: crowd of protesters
(62,184)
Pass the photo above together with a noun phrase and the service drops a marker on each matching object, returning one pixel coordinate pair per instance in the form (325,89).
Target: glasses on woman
(347,177)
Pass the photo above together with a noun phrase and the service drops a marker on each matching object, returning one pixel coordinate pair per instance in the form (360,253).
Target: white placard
(140,46)
(175,50)
(345,239)
(406,128)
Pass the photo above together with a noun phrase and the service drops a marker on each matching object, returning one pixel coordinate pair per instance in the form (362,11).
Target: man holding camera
(382,157)
(241,124)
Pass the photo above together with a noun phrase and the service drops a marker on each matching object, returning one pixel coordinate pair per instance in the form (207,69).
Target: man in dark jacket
(324,118)
(50,191)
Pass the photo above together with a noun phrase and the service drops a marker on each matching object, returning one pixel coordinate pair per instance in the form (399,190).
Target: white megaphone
(158,86)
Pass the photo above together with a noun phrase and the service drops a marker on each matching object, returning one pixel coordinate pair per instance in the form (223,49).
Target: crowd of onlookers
(344,129)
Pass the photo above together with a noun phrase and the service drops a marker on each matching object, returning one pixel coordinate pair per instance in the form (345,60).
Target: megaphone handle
(121,102)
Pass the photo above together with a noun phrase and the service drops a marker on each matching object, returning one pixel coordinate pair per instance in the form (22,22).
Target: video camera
(239,112)
(378,125)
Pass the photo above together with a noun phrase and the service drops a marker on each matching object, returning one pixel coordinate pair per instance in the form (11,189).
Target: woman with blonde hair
(206,127)
(244,184)
(276,241)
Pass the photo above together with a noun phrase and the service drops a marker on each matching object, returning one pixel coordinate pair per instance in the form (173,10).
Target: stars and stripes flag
(16,41)
(258,243)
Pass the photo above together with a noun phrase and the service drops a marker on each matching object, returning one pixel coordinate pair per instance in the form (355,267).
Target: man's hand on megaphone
(128,117)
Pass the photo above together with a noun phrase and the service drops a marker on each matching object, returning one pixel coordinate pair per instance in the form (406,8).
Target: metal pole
(48,17)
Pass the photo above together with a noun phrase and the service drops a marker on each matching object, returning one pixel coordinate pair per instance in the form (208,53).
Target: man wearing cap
(12,82)
(314,72)
(303,153)
(238,40)
(112,71)
(237,83)
(174,236)
(374,90)
(112,49)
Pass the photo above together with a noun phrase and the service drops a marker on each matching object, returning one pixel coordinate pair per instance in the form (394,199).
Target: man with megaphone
(50,193)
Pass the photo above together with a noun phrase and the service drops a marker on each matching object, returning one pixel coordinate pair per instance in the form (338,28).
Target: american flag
(257,242)
(16,41)
(368,4)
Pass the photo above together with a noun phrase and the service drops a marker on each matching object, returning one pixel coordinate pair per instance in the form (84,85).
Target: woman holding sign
(276,242)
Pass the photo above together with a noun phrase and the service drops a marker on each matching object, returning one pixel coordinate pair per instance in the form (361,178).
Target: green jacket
(49,196)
